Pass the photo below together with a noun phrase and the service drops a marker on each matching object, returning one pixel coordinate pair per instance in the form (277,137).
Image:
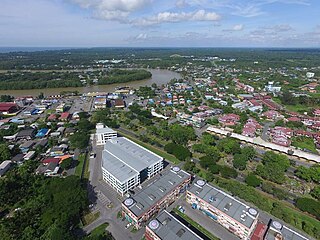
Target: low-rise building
(61,108)
(278,231)
(7,108)
(4,167)
(165,226)
(156,196)
(235,216)
(126,164)
(104,133)
(26,134)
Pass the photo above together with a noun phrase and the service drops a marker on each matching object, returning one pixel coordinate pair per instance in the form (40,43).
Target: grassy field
(304,143)
(156,150)
(90,217)
(196,225)
(99,230)
(80,165)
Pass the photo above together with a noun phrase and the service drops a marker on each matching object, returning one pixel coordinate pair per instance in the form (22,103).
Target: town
(222,152)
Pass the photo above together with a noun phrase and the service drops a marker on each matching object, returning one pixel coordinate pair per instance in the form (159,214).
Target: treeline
(35,207)
(38,80)
(122,76)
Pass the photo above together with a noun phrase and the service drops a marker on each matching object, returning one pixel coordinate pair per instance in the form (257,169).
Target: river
(158,76)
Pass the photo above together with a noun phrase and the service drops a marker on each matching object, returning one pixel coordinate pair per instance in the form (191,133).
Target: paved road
(266,127)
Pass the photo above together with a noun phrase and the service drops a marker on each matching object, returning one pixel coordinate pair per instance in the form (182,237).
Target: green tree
(79,140)
(190,167)
(240,161)
(228,172)
(66,164)
(4,153)
(309,205)
(316,192)
(252,180)
(181,134)
(274,167)
(229,146)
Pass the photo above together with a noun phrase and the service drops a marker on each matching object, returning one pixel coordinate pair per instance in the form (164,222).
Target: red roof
(6,106)
(52,117)
(294,119)
(49,160)
(259,232)
(64,115)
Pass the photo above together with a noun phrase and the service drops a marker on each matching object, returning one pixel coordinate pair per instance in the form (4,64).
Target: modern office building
(104,133)
(221,207)
(126,164)
(166,226)
(277,231)
(156,196)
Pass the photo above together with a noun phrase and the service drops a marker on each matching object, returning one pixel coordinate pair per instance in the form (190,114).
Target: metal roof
(118,169)
(124,158)
(285,232)
(156,190)
(168,227)
(225,203)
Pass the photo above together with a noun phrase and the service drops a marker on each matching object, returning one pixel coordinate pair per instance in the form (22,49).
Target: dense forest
(40,80)
(35,207)
(122,76)
(156,57)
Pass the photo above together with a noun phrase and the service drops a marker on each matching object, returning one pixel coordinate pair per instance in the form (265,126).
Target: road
(266,127)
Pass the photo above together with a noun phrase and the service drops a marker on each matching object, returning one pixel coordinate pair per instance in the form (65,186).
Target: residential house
(4,167)
(26,134)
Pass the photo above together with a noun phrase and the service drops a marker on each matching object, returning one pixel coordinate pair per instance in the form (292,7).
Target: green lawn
(99,230)
(80,165)
(196,225)
(304,142)
(156,150)
(90,217)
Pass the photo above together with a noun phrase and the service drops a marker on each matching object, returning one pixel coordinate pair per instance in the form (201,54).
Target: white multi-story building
(104,133)
(126,164)
(237,217)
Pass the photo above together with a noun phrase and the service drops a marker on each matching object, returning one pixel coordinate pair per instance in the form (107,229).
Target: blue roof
(42,132)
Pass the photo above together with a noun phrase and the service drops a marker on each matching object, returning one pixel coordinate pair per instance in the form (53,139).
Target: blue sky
(160,23)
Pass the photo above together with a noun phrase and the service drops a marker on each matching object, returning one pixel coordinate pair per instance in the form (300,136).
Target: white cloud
(235,28)
(167,17)
(112,9)
(238,27)
(141,36)
(181,3)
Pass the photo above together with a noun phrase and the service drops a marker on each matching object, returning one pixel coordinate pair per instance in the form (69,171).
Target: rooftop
(124,158)
(151,194)
(277,229)
(101,129)
(225,203)
(166,226)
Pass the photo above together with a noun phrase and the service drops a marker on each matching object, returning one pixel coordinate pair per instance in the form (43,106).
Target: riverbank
(158,76)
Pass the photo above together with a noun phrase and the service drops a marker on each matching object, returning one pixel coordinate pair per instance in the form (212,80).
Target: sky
(160,23)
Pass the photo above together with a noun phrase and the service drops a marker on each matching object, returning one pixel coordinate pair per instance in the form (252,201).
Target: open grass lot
(156,150)
(304,143)
(90,217)
(196,225)
(80,165)
(99,230)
